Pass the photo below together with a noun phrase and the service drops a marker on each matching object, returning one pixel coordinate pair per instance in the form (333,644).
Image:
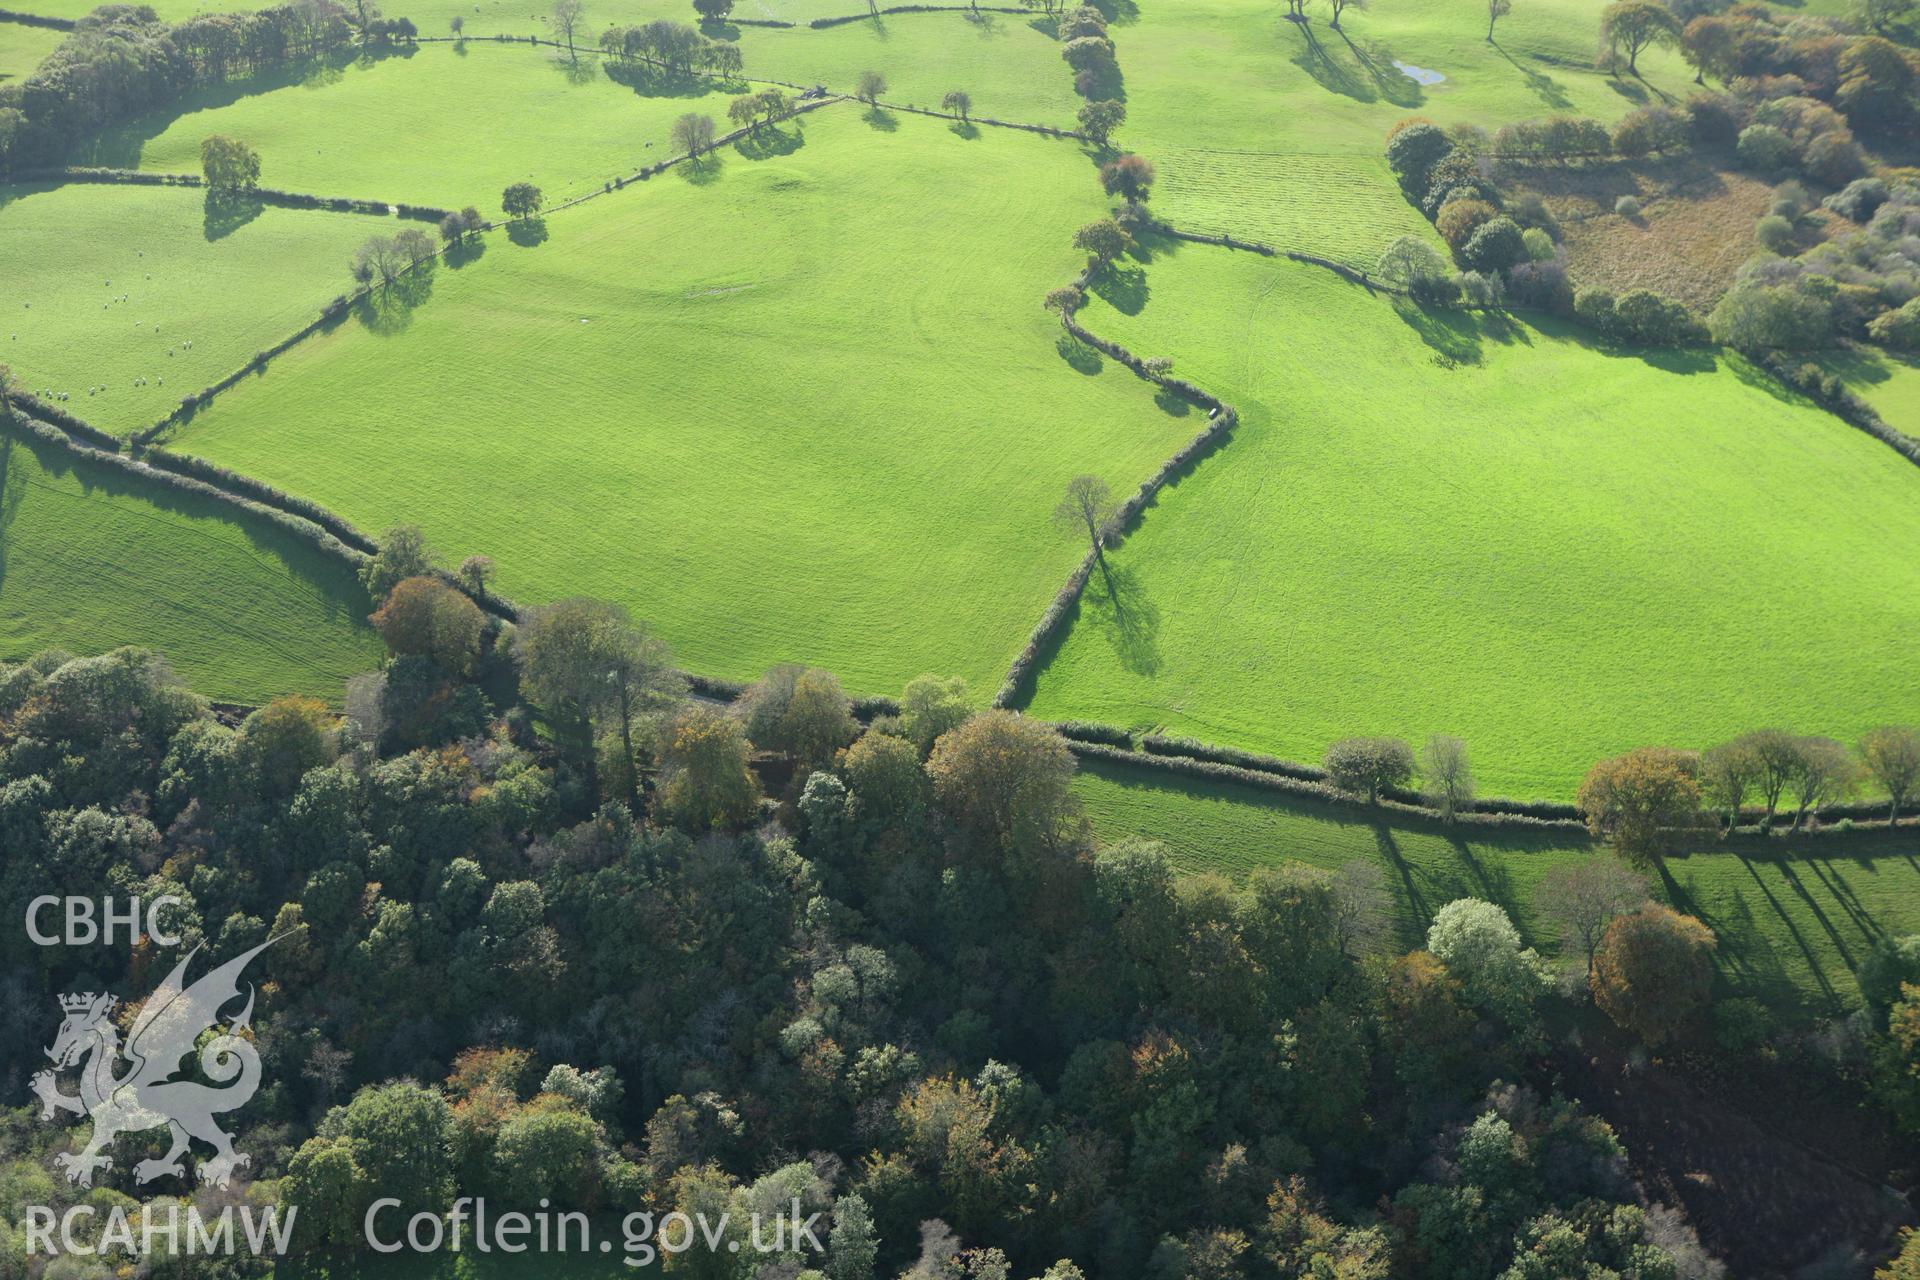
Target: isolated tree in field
(1584,897)
(229,164)
(1098,120)
(1826,774)
(706,783)
(1088,509)
(931,705)
(1103,241)
(1636,799)
(1128,176)
(427,618)
(959,102)
(566,20)
(713,10)
(1631,27)
(586,661)
(1341,6)
(869,88)
(457,25)
(1728,773)
(1447,774)
(693,133)
(1892,757)
(522,200)
(1653,971)
(1368,766)
(1496,10)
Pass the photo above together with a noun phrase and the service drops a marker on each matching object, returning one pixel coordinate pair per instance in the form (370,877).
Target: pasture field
(90,561)
(877,385)
(1012,70)
(1888,382)
(1429,523)
(1262,127)
(444,124)
(204,287)
(1794,918)
(23,47)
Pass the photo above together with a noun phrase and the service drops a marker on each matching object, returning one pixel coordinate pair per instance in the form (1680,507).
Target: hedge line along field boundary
(265,195)
(1221,420)
(296,525)
(1832,395)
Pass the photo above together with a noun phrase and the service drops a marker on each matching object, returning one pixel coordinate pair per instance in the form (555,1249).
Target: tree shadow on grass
(1539,83)
(1115,604)
(655,82)
(770,141)
(1080,357)
(469,249)
(1393,84)
(1314,59)
(1454,335)
(882,119)
(1124,288)
(965,129)
(527,232)
(1172,403)
(702,170)
(226,212)
(389,309)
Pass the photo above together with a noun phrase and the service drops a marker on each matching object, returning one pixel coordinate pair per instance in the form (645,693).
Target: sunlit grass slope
(444,124)
(800,408)
(90,561)
(1429,523)
(203,288)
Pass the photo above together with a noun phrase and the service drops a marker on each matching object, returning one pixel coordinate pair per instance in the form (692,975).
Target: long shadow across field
(1794,918)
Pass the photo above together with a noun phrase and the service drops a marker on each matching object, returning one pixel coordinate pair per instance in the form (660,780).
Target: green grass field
(1888,382)
(447,125)
(90,560)
(228,283)
(1011,70)
(1426,524)
(839,444)
(23,47)
(1794,920)
(1269,130)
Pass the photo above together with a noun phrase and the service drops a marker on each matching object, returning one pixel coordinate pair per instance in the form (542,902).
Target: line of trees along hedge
(121,61)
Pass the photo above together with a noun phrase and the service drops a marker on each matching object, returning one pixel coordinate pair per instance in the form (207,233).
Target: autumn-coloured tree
(426,617)
(1128,176)
(1653,972)
(1637,799)
(705,781)
(286,738)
